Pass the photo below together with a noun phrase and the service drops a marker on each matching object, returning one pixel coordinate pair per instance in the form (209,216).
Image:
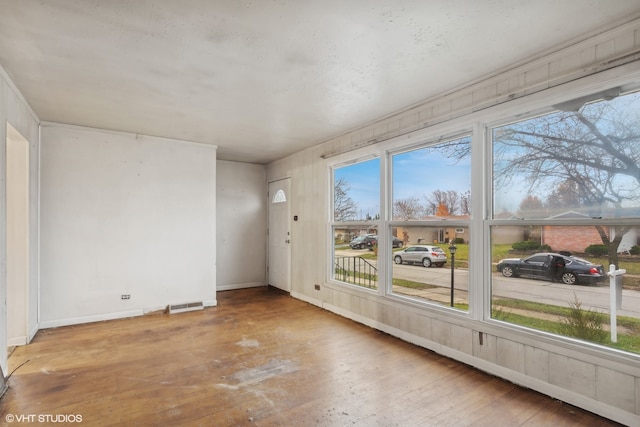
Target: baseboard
(234,286)
(89,319)
(33,333)
(15,341)
(306,298)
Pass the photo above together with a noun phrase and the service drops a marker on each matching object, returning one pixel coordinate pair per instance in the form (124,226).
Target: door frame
(270,235)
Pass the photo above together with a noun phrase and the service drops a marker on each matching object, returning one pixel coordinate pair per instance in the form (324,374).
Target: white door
(279,274)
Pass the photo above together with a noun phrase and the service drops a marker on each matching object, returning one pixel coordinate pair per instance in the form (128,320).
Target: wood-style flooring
(260,358)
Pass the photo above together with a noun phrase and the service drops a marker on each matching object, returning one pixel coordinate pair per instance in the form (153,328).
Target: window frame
(432,140)
(492,221)
(340,162)
(478,123)
(384,152)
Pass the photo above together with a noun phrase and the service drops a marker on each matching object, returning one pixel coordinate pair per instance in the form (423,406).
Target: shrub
(596,250)
(526,245)
(635,250)
(584,324)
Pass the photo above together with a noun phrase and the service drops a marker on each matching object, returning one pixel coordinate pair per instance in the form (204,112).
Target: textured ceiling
(262,79)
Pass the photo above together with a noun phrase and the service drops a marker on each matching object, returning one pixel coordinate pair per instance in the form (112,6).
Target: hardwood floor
(260,358)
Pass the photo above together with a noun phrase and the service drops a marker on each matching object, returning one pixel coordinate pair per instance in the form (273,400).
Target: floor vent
(181,308)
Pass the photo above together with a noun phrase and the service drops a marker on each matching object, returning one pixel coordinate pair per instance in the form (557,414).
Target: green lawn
(554,321)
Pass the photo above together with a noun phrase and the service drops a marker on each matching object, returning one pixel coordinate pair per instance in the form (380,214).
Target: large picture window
(571,181)
(558,207)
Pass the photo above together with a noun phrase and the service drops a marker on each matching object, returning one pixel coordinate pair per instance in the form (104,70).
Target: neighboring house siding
(575,241)
(506,235)
(581,237)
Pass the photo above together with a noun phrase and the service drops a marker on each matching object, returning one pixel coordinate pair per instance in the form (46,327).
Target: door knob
(287,241)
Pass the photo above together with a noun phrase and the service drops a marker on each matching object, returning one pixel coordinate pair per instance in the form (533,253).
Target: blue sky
(415,174)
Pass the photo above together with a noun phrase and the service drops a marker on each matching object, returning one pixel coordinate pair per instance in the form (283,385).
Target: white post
(614,278)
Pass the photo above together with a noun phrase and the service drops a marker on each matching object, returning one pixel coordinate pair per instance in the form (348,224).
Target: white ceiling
(265,78)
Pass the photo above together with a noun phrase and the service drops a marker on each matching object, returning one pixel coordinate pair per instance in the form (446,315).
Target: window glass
(429,184)
(579,163)
(433,182)
(356,191)
(554,278)
(355,261)
(356,195)
(559,174)
(279,197)
(422,264)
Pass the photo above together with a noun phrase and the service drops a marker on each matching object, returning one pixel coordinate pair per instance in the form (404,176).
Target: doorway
(17,243)
(279,235)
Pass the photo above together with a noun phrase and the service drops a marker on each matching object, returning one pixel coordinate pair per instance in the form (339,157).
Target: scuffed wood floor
(261,358)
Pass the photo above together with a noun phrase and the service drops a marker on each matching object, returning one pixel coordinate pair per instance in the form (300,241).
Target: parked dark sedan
(373,240)
(549,266)
(360,242)
(368,241)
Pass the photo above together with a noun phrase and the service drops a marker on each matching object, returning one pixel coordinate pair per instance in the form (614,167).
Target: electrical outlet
(123,296)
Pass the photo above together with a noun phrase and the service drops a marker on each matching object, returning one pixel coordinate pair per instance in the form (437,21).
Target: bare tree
(407,209)
(565,196)
(465,203)
(440,202)
(344,208)
(587,151)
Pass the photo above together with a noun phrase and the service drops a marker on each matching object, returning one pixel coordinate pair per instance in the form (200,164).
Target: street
(591,297)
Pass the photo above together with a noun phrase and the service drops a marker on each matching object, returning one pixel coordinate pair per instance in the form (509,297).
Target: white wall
(15,111)
(17,202)
(242,225)
(600,381)
(124,214)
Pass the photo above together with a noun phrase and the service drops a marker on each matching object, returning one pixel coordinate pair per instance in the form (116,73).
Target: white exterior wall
(124,214)
(15,111)
(600,381)
(242,225)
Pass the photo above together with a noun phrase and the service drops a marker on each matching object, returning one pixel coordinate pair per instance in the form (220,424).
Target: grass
(411,284)
(629,341)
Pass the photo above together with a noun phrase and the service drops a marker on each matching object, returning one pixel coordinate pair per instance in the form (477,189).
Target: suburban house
(150,149)
(581,237)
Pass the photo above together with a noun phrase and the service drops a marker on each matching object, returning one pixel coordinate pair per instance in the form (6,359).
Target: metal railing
(356,270)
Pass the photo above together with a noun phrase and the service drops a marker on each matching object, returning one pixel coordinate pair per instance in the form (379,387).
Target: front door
(279,274)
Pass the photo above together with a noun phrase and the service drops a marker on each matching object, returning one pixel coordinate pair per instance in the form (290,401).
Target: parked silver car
(426,255)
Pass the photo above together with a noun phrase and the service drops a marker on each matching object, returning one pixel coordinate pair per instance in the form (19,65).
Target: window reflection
(583,163)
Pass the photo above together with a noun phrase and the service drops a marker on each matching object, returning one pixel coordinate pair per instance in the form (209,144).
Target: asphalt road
(591,297)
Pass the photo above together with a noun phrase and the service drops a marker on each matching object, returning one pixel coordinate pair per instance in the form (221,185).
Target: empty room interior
(320,213)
